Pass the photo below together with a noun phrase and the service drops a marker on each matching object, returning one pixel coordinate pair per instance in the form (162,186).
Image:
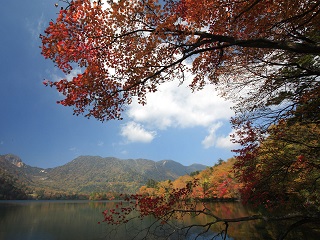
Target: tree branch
(297,224)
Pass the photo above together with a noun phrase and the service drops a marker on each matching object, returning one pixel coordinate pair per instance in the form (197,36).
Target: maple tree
(131,47)
(262,54)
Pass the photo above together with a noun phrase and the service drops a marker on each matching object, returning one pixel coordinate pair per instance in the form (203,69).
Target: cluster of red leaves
(73,40)
(245,169)
(117,215)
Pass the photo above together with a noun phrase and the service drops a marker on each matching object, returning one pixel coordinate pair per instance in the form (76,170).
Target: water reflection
(68,220)
(257,229)
(49,220)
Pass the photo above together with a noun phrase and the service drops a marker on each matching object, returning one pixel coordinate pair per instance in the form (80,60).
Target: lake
(68,220)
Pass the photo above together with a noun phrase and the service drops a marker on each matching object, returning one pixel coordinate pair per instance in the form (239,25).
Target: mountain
(13,180)
(14,166)
(87,174)
(15,160)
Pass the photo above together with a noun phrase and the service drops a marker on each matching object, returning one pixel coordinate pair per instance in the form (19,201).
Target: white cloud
(174,106)
(135,132)
(177,106)
(210,140)
(214,140)
(225,142)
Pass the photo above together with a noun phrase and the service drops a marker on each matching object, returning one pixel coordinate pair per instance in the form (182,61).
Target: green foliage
(11,188)
(152,183)
(89,174)
(192,174)
(220,161)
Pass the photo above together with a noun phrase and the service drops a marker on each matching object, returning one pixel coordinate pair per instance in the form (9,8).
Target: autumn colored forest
(261,54)
(214,183)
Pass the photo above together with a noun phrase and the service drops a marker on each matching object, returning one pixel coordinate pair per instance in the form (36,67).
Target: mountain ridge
(87,174)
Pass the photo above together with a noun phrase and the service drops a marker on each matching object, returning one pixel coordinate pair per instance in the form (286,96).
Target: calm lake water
(78,220)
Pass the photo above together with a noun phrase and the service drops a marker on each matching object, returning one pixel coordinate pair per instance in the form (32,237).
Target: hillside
(217,182)
(88,174)
(14,166)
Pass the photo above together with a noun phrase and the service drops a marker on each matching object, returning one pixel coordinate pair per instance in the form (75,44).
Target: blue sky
(175,124)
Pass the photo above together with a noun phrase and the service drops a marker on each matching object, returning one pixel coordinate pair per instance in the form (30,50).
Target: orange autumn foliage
(216,182)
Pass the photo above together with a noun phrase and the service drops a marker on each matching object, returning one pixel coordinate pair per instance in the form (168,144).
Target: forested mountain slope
(88,174)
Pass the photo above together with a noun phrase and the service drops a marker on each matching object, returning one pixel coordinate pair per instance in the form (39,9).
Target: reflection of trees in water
(179,228)
(49,220)
(228,210)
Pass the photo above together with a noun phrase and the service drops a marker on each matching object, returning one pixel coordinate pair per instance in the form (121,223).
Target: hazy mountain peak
(15,160)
